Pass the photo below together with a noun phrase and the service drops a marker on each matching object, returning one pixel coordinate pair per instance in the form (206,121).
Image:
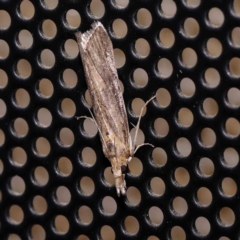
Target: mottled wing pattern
(108,105)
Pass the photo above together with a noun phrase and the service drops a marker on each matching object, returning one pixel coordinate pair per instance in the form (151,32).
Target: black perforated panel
(55,182)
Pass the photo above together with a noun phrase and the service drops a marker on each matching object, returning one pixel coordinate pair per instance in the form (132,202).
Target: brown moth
(96,51)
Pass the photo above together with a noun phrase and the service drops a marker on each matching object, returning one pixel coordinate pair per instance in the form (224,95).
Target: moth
(109,110)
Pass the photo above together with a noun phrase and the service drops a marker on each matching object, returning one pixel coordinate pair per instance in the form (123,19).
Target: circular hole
(88,99)
(234,37)
(107,233)
(212,77)
(187,87)
(236,7)
(140,136)
(153,238)
(189,58)
(180,206)
(182,176)
(68,107)
(45,88)
(2,137)
(131,225)
(27,10)
(49,29)
(159,156)
(87,186)
(208,137)
(70,78)
(3,108)
(109,205)
(71,48)
(161,127)
(119,57)
(73,18)
(232,127)
(163,97)
(61,224)
(166,38)
(97,9)
(168,8)
(206,167)
(44,117)
(204,196)
(234,67)
(184,147)
(5,20)
(144,18)
(157,186)
(210,107)
(229,187)
(4,49)
(165,68)
(90,128)
(88,156)
(42,146)
(120,28)
(231,157)
(133,196)
(155,215)
(227,216)
(24,69)
(216,17)
(20,127)
(63,195)
(191,27)
(140,77)
(121,3)
(177,233)
(193,3)
(25,39)
(22,98)
(64,166)
(39,204)
(17,185)
(3,78)
(214,47)
(66,137)
(85,215)
(137,105)
(13,237)
(41,176)
(18,156)
(47,58)
(108,177)
(83,237)
(51,4)
(224,238)
(233,97)
(16,214)
(203,226)
(135,166)
(38,232)
(185,117)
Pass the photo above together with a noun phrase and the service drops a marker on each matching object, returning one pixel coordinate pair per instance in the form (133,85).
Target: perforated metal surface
(55,182)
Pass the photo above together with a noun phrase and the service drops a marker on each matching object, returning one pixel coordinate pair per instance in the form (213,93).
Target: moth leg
(144,144)
(138,124)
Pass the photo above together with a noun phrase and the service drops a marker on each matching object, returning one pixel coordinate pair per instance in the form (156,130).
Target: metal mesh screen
(55,182)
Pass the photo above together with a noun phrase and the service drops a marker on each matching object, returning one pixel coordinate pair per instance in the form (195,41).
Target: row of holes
(164,67)
(168,9)
(88,157)
(86,185)
(131,225)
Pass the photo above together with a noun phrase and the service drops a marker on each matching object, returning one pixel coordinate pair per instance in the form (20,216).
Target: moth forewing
(96,51)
